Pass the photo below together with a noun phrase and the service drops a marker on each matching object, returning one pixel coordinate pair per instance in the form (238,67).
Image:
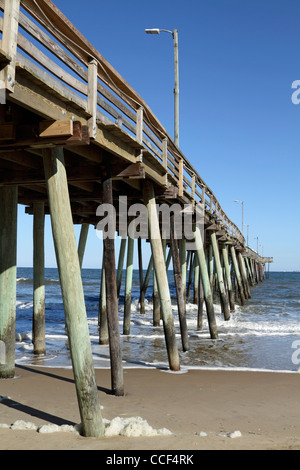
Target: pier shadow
(59,377)
(29,410)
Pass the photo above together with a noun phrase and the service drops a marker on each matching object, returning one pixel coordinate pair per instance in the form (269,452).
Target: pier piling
(72,292)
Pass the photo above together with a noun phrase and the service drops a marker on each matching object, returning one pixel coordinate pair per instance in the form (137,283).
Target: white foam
(50,428)
(23,425)
(132,427)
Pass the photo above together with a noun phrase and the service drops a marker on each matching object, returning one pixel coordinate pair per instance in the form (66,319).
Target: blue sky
(238,125)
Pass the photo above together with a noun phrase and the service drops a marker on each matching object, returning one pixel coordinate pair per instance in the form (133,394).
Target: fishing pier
(76,139)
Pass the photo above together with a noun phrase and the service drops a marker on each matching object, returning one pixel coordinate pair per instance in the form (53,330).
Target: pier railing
(59,57)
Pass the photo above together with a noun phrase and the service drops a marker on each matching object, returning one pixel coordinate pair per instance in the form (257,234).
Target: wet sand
(263,406)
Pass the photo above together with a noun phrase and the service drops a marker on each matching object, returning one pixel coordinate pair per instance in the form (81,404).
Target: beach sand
(263,406)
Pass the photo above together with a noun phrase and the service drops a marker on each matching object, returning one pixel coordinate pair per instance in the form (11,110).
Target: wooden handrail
(94,84)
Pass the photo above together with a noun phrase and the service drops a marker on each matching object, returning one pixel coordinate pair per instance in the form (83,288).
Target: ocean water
(262,335)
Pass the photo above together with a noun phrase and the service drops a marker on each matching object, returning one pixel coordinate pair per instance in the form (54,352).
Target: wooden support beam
(128,286)
(237,275)
(182,252)
(8,277)
(102,320)
(62,128)
(200,304)
(224,299)
(199,248)
(134,170)
(146,282)
(28,136)
(72,292)
(141,274)
(244,276)
(156,303)
(82,242)
(121,264)
(196,280)
(228,277)
(179,285)
(38,327)
(161,276)
(112,298)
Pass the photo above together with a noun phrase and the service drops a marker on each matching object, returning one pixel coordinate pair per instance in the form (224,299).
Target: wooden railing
(55,52)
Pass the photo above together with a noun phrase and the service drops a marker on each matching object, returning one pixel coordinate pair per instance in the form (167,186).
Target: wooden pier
(74,135)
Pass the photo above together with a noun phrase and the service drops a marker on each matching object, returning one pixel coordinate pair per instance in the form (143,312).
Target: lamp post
(176,89)
(241,202)
(256,238)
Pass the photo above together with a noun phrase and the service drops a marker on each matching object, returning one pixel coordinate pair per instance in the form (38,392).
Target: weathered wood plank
(61,128)
(72,291)
(8,275)
(38,326)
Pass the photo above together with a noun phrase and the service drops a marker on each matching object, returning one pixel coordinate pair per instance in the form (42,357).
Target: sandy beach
(201,408)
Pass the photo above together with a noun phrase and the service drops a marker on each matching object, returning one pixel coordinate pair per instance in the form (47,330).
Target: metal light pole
(256,238)
(242,202)
(176,89)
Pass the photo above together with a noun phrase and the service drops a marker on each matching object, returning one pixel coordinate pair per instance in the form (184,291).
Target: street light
(256,238)
(176,89)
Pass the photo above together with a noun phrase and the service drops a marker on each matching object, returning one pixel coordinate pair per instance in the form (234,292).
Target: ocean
(262,335)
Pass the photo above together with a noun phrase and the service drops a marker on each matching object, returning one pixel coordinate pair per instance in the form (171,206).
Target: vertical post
(146,282)
(8,278)
(249,270)
(165,152)
(156,302)
(165,157)
(206,284)
(180,182)
(161,276)
(228,277)
(237,274)
(220,275)
(112,298)
(139,125)
(9,42)
(128,286)
(179,286)
(38,326)
(82,242)
(211,265)
(103,326)
(141,275)
(182,251)
(191,273)
(196,280)
(92,97)
(72,292)
(244,276)
(120,265)
(200,305)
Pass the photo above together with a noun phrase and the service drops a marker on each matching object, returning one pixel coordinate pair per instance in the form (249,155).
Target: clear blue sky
(238,125)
